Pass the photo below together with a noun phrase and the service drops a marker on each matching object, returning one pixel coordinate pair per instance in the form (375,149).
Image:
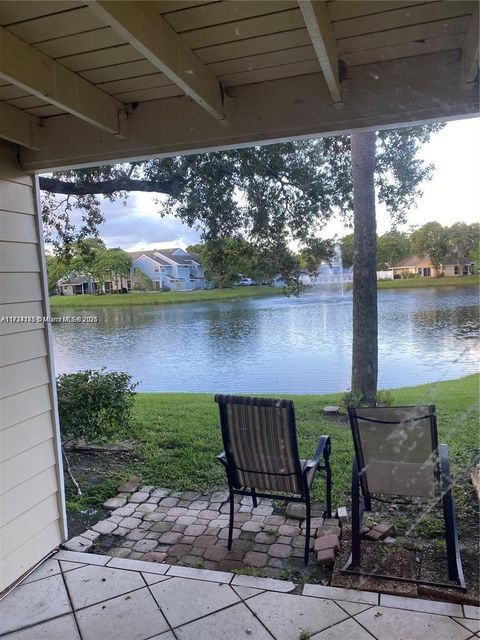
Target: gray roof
(150,254)
(183,258)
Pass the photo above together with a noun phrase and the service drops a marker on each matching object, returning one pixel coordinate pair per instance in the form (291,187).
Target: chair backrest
(260,443)
(396,449)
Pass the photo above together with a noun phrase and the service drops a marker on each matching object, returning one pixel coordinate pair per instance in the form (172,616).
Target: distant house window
(456,270)
(427,272)
(466,270)
(157,268)
(444,267)
(419,271)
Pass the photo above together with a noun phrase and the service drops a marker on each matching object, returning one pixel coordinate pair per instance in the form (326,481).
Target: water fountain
(331,277)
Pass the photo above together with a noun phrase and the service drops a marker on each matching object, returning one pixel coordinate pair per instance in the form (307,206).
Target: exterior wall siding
(32,519)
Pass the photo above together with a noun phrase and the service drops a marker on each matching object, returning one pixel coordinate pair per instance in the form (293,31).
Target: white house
(174,269)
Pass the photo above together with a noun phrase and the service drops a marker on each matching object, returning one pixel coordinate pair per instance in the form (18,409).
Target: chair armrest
(323,450)
(222,458)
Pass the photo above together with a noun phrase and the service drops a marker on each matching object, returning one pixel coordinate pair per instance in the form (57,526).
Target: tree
(225,259)
(365,321)
(142,282)
(462,241)
(56,269)
(346,247)
(431,240)
(391,247)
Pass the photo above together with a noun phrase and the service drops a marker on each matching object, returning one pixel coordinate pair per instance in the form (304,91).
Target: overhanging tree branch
(107,187)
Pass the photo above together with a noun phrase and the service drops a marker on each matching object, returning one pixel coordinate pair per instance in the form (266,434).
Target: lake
(275,345)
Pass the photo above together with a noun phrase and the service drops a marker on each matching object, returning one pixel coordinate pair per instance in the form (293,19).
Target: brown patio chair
(397,454)
(261,455)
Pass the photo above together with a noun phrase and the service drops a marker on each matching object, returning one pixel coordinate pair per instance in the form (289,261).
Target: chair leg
(357,513)
(307,530)
(254,498)
(455,571)
(328,471)
(230,522)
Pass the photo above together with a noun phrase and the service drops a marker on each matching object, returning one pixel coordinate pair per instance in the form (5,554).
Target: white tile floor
(76,596)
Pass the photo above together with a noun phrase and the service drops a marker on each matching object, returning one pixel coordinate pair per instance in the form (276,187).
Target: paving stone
(216,553)
(352,608)
(128,544)
(275,520)
(219,496)
(225,508)
(214,506)
(145,526)
(255,559)
(264,537)
(162,526)
(139,496)
(160,492)
(223,534)
(123,618)
(327,542)
(326,557)
(177,511)
(120,531)
(394,624)
(90,535)
(296,510)
(125,511)
(170,537)
(208,514)
(34,602)
(154,556)
(199,504)
(288,616)
(130,523)
(417,604)
(104,527)
(288,530)
(195,530)
(314,523)
(146,507)
(217,524)
(471,612)
(169,502)
(92,584)
(245,508)
(188,539)
(373,535)
(279,550)
(179,550)
(186,520)
(342,514)
(262,510)
(205,541)
(263,548)
(119,552)
(254,527)
(380,531)
(154,517)
(115,503)
(471,625)
(328,531)
(77,543)
(130,486)
(153,500)
(136,534)
(344,630)
(84,558)
(48,568)
(146,489)
(115,519)
(200,574)
(197,551)
(338,593)
(135,555)
(144,546)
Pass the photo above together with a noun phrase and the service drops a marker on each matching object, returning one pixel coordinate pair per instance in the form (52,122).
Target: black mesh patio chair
(397,454)
(261,455)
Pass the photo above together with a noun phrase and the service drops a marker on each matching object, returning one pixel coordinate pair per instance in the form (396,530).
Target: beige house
(88,84)
(421,267)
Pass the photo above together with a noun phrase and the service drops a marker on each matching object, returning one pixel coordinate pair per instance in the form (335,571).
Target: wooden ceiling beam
(18,126)
(33,71)
(144,28)
(319,26)
(470,50)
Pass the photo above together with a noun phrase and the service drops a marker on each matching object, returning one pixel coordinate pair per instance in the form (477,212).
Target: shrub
(355,399)
(94,405)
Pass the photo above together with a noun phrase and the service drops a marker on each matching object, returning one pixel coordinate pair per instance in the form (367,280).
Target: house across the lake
(74,285)
(173,269)
(421,266)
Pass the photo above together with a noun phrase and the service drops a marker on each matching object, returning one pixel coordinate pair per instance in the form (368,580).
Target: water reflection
(276,344)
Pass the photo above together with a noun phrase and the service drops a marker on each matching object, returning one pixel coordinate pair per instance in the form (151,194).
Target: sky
(452,195)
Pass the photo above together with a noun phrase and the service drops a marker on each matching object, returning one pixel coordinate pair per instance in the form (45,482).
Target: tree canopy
(271,196)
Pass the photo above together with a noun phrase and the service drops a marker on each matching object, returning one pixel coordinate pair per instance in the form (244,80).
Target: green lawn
(176,436)
(160,298)
(450,281)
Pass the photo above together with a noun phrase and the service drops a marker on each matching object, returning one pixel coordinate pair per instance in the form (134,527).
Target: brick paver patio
(191,529)
(83,596)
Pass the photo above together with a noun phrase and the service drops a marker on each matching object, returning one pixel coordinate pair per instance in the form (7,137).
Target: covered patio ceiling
(85,83)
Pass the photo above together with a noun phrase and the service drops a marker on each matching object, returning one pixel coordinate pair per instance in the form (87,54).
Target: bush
(355,399)
(94,405)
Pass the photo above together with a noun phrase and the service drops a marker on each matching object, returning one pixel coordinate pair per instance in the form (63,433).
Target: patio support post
(365,320)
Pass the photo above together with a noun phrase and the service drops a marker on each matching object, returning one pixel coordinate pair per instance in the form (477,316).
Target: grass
(162,297)
(175,438)
(449,281)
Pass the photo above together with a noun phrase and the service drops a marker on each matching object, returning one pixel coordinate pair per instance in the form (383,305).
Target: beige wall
(31,484)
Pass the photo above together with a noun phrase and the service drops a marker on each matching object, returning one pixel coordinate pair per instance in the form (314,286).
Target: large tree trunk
(365,320)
